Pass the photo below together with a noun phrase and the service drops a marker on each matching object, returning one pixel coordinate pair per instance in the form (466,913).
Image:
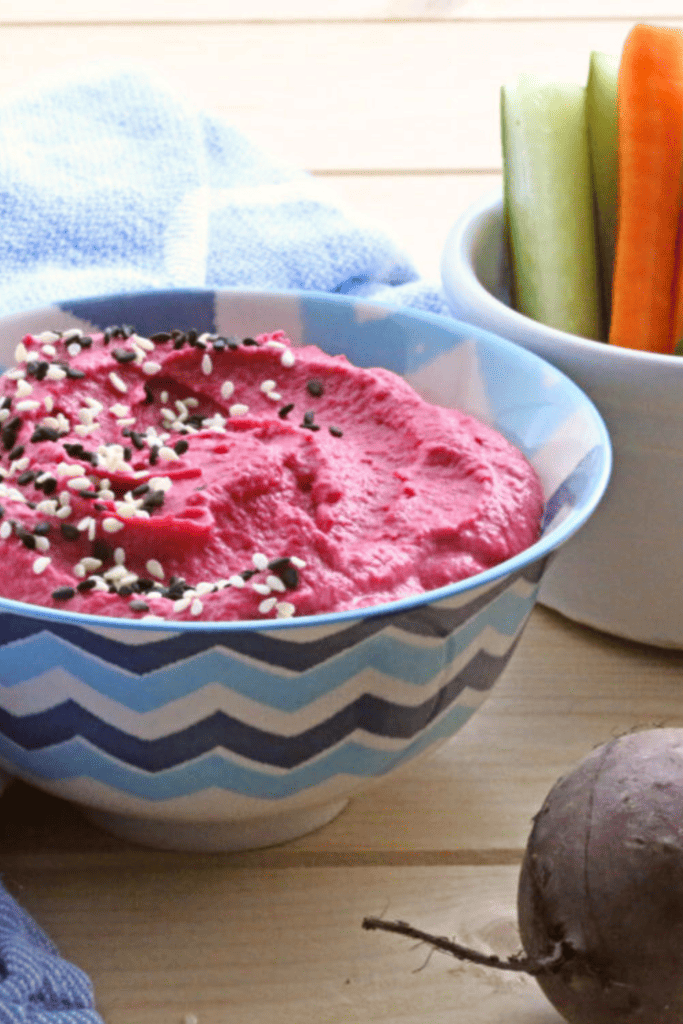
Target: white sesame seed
(146,343)
(150,367)
(126,510)
(79,570)
(127,579)
(275,583)
(72,334)
(236,581)
(268,385)
(128,421)
(191,403)
(155,568)
(276,344)
(119,555)
(49,403)
(259,561)
(70,469)
(23,388)
(79,483)
(119,409)
(116,573)
(261,588)
(19,465)
(197,607)
(274,396)
(27,405)
(47,507)
(64,512)
(84,523)
(284,609)
(85,429)
(117,382)
(288,358)
(160,483)
(50,350)
(20,353)
(111,525)
(167,454)
(91,564)
(74,349)
(93,403)
(164,397)
(86,414)
(298,562)
(42,544)
(238,409)
(207,365)
(204,588)
(267,605)
(15,374)
(55,372)
(5,530)
(105,494)
(4,415)
(227,389)
(181,604)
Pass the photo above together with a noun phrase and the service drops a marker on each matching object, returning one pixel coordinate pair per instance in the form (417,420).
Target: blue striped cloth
(109,182)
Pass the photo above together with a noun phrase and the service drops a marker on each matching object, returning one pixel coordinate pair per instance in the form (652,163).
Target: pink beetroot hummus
(186,477)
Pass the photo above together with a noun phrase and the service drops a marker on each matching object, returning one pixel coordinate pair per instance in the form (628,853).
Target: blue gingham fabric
(110,182)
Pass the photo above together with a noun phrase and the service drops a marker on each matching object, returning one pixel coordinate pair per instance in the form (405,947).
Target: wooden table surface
(395,104)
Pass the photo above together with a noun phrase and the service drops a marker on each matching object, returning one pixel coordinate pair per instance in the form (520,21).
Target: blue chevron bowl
(218,736)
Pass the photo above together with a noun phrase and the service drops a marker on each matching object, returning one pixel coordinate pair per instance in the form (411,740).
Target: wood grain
(408,97)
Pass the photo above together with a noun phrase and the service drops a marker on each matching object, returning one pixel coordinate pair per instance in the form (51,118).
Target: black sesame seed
(85,341)
(126,590)
(74,374)
(75,449)
(191,336)
(138,606)
(124,355)
(233,343)
(137,440)
(179,341)
(26,538)
(32,367)
(42,433)
(63,593)
(249,341)
(284,412)
(220,344)
(290,577)
(161,336)
(41,369)
(314,387)
(6,402)
(180,447)
(42,529)
(2,511)
(16,453)
(143,586)
(86,585)
(154,455)
(69,532)
(336,431)
(246,574)
(89,494)
(127,329)
(196,421)
(149,394)
(154,499)
(127,453)
(101,549)
(48,486)
(141,489)
(27,477)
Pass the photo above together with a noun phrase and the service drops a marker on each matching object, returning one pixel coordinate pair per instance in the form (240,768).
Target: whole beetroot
(600,898)
(603,876)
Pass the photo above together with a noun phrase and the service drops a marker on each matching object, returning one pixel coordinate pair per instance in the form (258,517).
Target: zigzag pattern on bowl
(78,720)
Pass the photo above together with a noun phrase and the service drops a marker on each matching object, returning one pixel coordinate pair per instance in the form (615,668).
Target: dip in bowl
(624,573)
(223,735)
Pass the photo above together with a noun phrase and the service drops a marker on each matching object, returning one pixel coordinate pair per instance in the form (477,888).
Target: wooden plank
(566,690)
(221,945)
(129,11)
(395,96)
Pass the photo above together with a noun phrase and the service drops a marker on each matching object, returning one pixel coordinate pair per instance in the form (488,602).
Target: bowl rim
(540,549)
(455,253)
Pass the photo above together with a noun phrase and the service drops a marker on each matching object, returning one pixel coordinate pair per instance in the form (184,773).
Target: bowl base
(215,837)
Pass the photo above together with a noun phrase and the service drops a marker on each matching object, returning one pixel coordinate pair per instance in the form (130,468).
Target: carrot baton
(650,117)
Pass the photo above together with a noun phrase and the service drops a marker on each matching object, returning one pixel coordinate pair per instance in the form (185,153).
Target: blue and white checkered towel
(110,183)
